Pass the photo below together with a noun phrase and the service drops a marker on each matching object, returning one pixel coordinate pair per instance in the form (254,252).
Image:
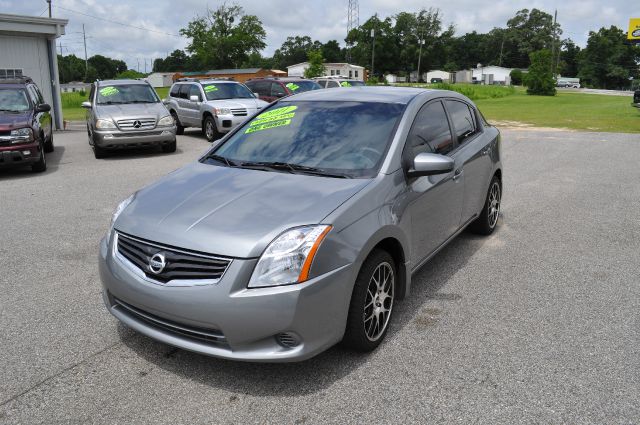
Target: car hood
(131,111)
(12,120)
(238,103)
(231,211)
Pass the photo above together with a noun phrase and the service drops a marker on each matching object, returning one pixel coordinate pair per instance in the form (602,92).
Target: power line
(118,23)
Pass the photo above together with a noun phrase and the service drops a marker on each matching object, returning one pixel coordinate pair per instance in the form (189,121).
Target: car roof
(253,80)
(401,95)
(119,82)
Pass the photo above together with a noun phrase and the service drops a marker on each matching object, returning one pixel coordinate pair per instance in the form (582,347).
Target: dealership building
(28,48)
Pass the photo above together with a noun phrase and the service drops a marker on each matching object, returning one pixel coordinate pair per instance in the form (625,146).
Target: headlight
(105,124)
(166,121)
(222,111)
(288,258)
(124,204)
(22,134)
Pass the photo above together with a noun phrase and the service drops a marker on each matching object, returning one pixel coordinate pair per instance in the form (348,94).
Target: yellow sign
(634,29)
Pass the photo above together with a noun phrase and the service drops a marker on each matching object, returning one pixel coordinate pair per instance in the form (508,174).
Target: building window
(10,73)
(350,74)
(356,73)
(333,72)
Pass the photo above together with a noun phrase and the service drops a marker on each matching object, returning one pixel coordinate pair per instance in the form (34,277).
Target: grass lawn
(578,111)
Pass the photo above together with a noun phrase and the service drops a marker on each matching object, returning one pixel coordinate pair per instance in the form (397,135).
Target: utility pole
(49,1)
(373,47)
(553,46)
(138,67)
(86,60)
(420,42)
(501,49)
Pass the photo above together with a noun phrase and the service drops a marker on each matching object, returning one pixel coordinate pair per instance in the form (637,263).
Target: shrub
(516,77)
(540,80)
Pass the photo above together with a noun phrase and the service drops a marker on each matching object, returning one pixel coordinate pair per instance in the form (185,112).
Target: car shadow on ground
(320,372)
(137,153)
(54,159)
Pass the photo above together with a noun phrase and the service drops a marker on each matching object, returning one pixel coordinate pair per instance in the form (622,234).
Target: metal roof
(233,71)
(21,24)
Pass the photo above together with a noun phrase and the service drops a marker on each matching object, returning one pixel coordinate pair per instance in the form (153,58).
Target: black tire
(487,221)
(179,128)
(210,130)
(171,147)
(48,146)
(99,152)
(360,333)
(41,165)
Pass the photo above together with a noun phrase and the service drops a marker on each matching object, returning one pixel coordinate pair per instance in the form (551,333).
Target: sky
(324,20)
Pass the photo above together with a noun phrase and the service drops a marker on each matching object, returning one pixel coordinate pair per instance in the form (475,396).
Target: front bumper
(237,323)
(116,139)
(19,154)
(226,123)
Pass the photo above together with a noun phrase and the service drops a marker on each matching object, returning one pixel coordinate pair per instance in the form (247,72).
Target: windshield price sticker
(108,91)
(345,84)
(279,117)
(292,86)
(210,88)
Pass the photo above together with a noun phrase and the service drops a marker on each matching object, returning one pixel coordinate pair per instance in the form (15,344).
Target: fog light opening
(288,339)
(26,153)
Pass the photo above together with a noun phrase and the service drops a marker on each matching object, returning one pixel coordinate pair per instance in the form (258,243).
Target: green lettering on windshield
(278,117)
(109,91)
(266,126)
(292,86)
(210,88)
(345,84)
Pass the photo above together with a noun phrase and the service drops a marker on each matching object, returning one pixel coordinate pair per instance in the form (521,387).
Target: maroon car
(26,131)
(271,89)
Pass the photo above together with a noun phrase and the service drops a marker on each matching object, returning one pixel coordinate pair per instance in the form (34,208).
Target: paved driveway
(538,323)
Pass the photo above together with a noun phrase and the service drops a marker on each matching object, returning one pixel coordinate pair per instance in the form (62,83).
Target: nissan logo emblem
(157,263)
(137,124)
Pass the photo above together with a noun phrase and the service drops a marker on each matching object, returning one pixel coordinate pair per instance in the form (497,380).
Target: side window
(430,131)
(463,120)
(263,88)
(195,91)
(277,90)
(32,95)
(92,92)
(323,83)
(332,84)
(175,91)
(38,94)
(184,91)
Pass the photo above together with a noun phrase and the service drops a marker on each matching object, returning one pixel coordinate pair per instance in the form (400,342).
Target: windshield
(14,100)
(302,86)
(126,93)
(219,91)
(337,137)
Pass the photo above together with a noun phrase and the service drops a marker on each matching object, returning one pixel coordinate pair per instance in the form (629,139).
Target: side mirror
(256,95)
(43,107)
(194,98)
(86,105)
(429,164)
(165,101)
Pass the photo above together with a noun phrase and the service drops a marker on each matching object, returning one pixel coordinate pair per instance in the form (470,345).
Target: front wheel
(486,222)
(371,303)
(41,165)
(169,148)
(210,130)
(99,152)
(179,127)
(48,146)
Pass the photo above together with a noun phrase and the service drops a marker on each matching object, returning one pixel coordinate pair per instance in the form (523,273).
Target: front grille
(179,264)
(240,112)
(211,336)
(137,134)
(137,124)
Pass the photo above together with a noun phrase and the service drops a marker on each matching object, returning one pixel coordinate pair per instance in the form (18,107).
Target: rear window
(345,137)
(463,121)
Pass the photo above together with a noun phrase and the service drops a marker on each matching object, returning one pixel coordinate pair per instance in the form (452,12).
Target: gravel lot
(538,323)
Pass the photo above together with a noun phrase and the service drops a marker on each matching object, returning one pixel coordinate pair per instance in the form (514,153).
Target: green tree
(178,60)
(516,77)
(70,68)
(130,74)
(224,38)
(294,50)
(540,79)
(569,56)
(527,32)
(316,64)
(104,67)
(332,52)
(607,61)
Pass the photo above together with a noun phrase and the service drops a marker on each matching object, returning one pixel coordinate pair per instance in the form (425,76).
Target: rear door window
(463,120)
(430,132)
(175,91)
(332,84)
(263,88)
(184,91)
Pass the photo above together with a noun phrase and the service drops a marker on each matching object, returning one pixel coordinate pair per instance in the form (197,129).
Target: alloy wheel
(379,301)
(494,204)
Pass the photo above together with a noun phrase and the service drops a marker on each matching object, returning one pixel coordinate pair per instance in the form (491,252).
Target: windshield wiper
(293,168)
(226,161)
(142,101)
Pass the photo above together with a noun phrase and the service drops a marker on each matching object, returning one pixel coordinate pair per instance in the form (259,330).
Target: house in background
(492,75)
(75,86)
(355,72)
(160,79)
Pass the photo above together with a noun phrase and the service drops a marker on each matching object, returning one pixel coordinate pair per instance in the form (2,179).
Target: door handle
(486,150)
(457,174)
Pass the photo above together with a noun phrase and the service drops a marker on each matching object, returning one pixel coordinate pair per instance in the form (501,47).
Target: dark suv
(26,131)
(636,98)
(273,88)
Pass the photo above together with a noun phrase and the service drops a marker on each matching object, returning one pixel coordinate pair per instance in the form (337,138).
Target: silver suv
(336,81)
(124,114)
(216,106)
